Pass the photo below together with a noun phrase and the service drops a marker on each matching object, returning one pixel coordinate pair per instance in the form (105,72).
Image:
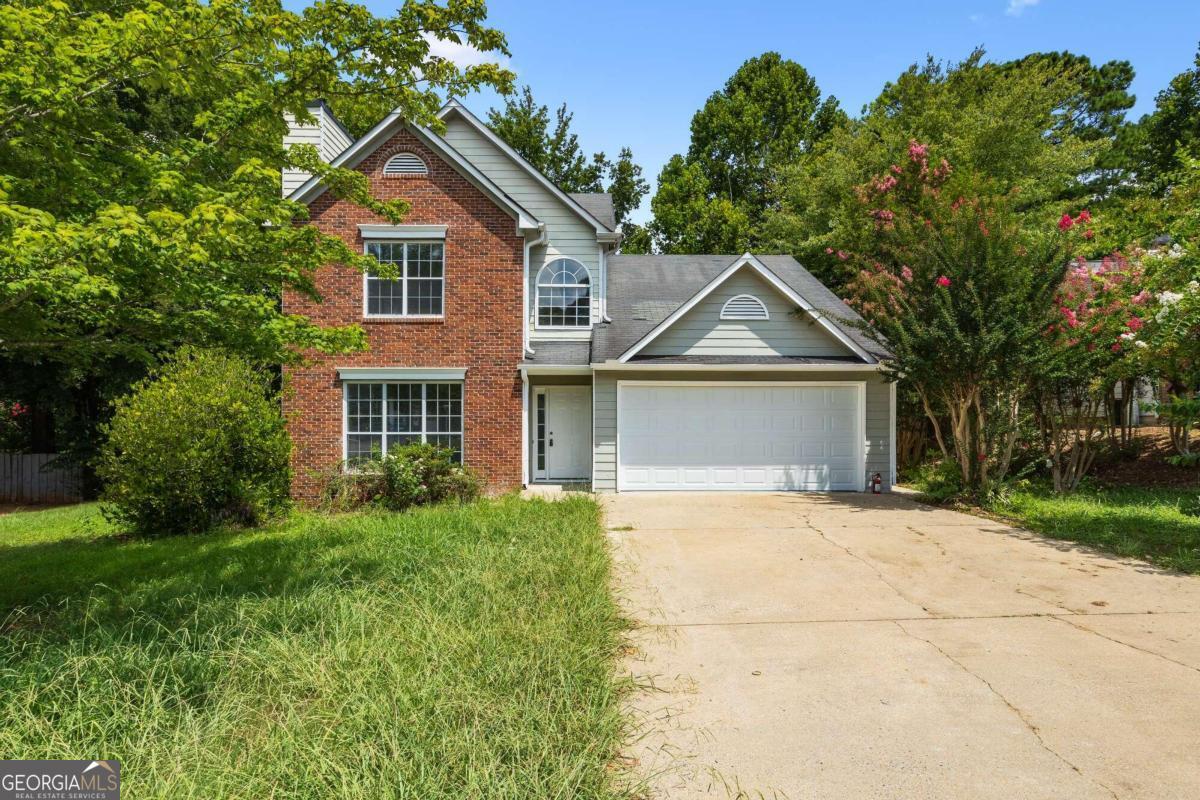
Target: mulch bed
(1150,469)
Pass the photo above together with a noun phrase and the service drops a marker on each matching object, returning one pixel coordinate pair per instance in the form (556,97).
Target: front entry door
(568,434)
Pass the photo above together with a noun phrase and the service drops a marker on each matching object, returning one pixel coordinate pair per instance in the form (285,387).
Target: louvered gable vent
(405,164)
(744,306)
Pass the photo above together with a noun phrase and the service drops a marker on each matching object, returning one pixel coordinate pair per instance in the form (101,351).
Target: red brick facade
(480,330)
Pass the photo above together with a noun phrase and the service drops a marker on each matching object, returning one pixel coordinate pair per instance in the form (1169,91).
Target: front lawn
(444,653)
(1159,525)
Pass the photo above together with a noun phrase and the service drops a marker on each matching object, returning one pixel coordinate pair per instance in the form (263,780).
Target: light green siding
(604,420)
(568,235)
(701,331)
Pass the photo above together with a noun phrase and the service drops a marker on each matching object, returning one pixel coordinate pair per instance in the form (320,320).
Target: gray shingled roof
(559,353)
(645,290)
(599,205)
(780,360)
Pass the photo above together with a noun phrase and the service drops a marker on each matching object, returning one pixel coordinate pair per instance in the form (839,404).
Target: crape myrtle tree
(140,158)
(960,284)
(1031,129)
(1089,346)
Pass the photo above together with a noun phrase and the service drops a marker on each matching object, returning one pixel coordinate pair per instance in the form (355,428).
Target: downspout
(604,285)
(524,428)
(541,239)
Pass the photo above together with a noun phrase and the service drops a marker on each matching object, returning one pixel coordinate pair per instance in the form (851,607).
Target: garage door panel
(739,437)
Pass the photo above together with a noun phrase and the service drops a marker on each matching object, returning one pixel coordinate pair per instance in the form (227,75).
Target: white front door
(740,436)
(568,432)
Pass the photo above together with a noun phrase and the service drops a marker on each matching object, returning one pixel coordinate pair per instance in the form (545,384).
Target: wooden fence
(25,478)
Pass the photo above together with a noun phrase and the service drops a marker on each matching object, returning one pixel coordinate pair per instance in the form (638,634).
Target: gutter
(529,245)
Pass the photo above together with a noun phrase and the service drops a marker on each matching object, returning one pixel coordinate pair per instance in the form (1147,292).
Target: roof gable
(379,135)
(719,325)
(584,209)
(644,291)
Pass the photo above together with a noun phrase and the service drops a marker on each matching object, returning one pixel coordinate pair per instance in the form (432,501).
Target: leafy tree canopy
(767,116)
(556,152)
(1014,127)
(140,158)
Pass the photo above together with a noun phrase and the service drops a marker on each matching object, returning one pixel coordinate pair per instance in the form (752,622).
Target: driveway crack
(1037,734)
(878,572)
(1086,629)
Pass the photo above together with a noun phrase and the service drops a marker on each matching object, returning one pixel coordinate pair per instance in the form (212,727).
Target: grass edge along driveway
(450,652)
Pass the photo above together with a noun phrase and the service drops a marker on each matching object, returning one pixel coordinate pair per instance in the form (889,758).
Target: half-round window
(405,164)
(564,295)
(744,306)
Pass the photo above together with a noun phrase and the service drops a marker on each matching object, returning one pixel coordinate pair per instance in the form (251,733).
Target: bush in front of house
(409,475)
(200,442)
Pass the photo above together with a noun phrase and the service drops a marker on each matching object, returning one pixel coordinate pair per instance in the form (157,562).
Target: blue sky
(634,72)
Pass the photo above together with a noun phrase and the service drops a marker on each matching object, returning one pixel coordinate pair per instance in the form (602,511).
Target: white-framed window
(382,415)
(418,289)
(564,295)
(744,306)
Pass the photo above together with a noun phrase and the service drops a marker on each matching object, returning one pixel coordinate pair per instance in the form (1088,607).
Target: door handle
(552,440)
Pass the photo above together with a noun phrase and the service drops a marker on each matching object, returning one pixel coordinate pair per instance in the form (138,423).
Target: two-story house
(518,335)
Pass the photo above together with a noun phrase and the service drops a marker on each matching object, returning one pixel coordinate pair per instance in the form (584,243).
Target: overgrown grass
(445,653)
(1159,525)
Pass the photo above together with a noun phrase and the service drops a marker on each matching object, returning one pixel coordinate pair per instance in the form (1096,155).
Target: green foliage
(526,127)
(200,442)
(450,652)
(1013,127)
(687,219)
(410,475)
(1153,524)
(766,117)
(940,481)
(1158,146)
(949,267)
(140,157)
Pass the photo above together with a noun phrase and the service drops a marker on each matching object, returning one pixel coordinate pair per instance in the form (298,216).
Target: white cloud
(464,55)
(1016,7)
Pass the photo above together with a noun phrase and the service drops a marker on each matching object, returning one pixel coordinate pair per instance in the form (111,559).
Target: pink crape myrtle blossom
(943,282)
(1065,223)
(906,273)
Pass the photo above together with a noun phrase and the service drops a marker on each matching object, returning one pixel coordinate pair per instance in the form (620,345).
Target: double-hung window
(380,416)
(418,288)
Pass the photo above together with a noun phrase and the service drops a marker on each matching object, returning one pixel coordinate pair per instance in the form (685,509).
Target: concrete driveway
(852,646)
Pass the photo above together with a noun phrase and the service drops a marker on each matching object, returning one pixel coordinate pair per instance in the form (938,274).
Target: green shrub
(200,442)
(409,475)
(939,480)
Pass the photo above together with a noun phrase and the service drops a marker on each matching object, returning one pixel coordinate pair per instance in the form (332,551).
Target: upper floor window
(419,285)
(564,295)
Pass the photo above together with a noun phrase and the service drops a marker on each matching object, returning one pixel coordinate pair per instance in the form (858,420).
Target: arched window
(405,164)
(564,295)
(744,306)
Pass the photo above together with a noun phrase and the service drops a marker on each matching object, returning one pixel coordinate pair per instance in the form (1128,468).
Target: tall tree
(767,116)
(140,159)
(1001,123)
(1168,137)
(555,151)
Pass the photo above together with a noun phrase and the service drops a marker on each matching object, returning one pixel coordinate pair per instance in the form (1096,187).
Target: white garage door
(744,436)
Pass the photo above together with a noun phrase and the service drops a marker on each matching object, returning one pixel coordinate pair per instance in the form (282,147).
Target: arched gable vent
(405,164)
(744,306)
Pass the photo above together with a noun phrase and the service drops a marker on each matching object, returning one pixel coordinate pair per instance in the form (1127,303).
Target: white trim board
(611,366)
(402,373)
(860,434)
(371,231)
(747,260)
